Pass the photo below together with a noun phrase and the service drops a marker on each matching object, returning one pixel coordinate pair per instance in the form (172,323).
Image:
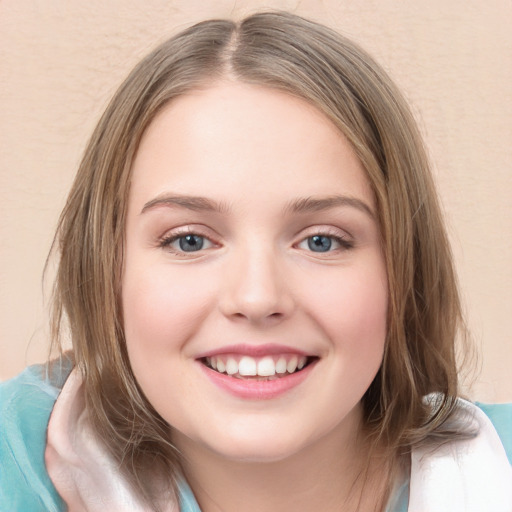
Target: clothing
(461,476)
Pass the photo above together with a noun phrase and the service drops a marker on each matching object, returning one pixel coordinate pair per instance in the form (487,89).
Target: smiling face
(254,291)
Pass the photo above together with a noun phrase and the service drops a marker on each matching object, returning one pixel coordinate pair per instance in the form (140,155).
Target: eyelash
(167,241)
(341,240)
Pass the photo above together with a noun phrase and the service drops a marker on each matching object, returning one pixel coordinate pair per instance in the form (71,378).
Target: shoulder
(470,473)
(26,403)
(501,417)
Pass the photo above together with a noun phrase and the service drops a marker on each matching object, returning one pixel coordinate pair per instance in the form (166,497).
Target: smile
(259,372)
(268,367)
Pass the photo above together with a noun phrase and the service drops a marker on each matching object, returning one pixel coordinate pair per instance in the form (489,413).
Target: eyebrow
(195,203)
(313,204)
(301,205)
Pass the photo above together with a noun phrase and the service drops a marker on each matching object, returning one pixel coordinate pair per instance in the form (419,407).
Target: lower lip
(257,389)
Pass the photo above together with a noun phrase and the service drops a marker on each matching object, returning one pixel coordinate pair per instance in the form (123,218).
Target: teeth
(266,367)
(247,366)
(231,366)
(250,367)
(221,367)
(292,364)
(281,365)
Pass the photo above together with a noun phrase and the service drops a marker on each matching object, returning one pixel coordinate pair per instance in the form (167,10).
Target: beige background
(60,61)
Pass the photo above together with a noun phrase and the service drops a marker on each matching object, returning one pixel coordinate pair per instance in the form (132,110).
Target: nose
(256,288)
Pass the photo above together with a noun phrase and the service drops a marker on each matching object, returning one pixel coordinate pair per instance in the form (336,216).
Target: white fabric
(80,468)
(462,476)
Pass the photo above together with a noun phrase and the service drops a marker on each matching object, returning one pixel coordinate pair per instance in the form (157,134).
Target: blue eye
(320,243)
(325,243)
(190,243)
(186,243)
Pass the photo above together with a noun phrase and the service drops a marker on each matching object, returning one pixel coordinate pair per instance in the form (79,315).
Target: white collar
(464,476)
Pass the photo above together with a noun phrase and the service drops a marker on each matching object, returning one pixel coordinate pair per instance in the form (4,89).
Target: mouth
(265,368)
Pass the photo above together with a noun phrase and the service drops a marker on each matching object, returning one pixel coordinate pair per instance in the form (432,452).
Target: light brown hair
(284,52)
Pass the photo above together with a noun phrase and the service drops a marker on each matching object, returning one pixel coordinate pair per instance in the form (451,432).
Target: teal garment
(26,403)
(25,406)
(188,501)
(400,502)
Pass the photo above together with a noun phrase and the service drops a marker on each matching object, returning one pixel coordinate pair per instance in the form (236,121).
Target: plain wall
(61,60)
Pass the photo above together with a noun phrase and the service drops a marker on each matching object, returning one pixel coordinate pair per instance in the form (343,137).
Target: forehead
(239,138)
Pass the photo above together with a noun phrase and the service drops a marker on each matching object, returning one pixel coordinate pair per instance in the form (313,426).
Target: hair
(288,53)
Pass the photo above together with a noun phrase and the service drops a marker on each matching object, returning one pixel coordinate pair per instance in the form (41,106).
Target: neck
(329,475)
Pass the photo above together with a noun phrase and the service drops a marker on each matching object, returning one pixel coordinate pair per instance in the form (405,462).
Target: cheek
(353,309)
(161,310)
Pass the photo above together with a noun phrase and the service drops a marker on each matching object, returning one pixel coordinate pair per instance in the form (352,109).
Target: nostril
(258,317)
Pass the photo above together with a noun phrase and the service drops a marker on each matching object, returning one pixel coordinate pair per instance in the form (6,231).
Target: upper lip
(254,350)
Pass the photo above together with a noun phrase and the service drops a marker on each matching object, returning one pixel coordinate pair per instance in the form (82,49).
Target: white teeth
(250,367)
(231,366)
(281,365)
(266,367)
(247,366)
(221,367)
(292,364)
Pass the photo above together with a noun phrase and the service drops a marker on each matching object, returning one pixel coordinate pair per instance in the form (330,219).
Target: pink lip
(268,349)
(257,389)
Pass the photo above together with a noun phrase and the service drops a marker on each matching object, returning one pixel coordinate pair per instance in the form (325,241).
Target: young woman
(260,295)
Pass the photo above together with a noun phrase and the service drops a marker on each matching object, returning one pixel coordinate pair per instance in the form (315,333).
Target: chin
(259,445)
(257,452)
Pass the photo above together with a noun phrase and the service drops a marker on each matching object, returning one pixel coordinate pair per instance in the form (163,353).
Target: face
(254,291)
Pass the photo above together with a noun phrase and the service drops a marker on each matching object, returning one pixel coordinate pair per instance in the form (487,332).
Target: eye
(320,243)
(190,243)
(187,242)
(325,243)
